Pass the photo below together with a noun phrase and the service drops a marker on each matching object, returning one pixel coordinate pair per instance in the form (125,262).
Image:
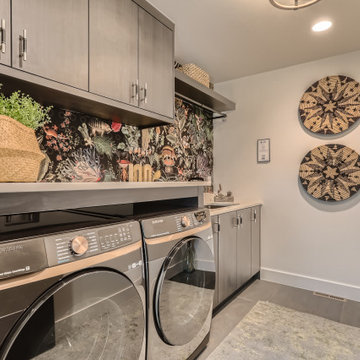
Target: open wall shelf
(192,90)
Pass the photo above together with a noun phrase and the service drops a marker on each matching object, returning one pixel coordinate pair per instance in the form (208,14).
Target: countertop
(16,198)
(235,207)
(49,187)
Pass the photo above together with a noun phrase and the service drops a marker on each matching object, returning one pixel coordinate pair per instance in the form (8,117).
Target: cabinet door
(156,65)
(215,226)
(5,32)
(114,49)
(255,239)
(243,249)
(227,255)
(50,39)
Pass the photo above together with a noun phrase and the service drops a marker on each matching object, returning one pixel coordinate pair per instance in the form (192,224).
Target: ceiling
(235,38)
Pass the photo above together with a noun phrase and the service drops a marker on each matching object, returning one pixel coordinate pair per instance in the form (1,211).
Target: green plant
(24,109)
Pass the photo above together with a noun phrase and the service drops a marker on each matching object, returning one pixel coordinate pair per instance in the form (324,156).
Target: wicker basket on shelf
(196,73)
(20,155)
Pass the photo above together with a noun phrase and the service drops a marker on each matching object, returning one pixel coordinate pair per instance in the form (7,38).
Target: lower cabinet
(243,247)
(255,239)
(227,255)
(237,250)
(215,227)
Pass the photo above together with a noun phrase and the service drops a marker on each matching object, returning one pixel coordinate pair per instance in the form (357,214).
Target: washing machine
(179,255)
(71,287)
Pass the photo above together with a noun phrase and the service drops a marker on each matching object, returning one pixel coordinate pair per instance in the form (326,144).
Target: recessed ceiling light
(322,26)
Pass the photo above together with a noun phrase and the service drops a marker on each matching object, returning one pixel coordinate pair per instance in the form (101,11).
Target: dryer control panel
(171,224)
(22,257)
(74,245)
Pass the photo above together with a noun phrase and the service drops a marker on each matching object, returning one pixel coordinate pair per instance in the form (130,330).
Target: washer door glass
(184,292)
(91,315)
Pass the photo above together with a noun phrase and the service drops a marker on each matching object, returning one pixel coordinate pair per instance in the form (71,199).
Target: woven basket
(196,73)
(20,156)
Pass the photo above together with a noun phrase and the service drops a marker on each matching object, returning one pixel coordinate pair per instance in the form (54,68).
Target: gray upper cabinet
(243,248)
(112,59)
(156,65)
(255,239)
(114,49)
(50,39)
(5,33)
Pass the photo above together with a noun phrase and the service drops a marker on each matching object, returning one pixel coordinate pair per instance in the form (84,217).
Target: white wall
(305,243)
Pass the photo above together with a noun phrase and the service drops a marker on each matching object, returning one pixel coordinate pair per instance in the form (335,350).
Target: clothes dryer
(180,264)
(71,287)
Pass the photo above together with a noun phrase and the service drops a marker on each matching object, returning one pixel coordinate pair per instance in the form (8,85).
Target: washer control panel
(22,257)
(176,223)
(75,245)
(79,245)
(110,239)
(183,222)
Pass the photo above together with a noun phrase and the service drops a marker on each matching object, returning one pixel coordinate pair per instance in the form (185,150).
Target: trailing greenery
(24,109)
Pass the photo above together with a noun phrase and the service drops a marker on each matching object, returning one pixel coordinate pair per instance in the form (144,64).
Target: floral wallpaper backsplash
(81,148)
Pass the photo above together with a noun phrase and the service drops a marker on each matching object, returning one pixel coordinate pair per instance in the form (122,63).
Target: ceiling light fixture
(322,26)
(292,4)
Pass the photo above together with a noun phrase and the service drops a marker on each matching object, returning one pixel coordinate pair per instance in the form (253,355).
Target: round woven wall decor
(331,105)
(330,172)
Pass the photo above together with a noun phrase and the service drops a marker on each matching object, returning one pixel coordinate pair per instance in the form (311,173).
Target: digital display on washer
(200,216)
(113,238)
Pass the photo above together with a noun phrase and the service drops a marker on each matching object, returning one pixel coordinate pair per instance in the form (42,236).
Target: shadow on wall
(329,206)
(328,137)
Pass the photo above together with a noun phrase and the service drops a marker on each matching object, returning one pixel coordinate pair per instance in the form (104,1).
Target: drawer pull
(3,36)
(23,45)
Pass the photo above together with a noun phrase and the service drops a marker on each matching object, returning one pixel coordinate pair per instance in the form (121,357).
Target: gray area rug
(273,332)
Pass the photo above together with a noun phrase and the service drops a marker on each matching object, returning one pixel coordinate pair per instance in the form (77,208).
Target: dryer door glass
(185,291)
(92,315)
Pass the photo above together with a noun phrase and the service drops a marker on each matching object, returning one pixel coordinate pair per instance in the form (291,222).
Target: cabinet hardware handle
(216,228)
(3,36)
(239,221)
(145,91)
(235,222)
(135,90)
(23,45)
(254,215)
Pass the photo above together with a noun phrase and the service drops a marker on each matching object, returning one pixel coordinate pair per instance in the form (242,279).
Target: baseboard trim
(231,297)
(344,290)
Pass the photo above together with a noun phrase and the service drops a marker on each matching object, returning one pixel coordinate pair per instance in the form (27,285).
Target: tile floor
(302,300)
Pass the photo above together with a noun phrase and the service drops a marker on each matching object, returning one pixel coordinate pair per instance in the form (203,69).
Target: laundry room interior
(179,179)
